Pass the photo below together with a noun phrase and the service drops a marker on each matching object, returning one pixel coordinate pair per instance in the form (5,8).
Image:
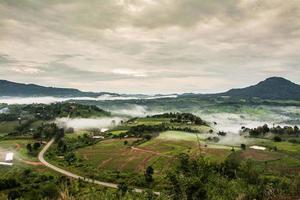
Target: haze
(149,46)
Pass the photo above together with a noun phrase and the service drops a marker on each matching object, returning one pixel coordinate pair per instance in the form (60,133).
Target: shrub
(277,139)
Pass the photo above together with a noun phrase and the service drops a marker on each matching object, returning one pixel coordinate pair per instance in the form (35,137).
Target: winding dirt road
(71,175)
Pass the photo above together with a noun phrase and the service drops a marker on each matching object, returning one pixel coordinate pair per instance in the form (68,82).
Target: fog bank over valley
(133,110)
(49,100)
(231,122)
(85,123)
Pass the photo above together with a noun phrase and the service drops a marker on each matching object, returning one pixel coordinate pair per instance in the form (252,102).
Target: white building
(98,137)
(9,157)
(258,148)
(103,130)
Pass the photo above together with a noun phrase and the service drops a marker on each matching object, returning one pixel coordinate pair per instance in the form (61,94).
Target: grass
(160,152)
(118,132)
(152,121)
(281,146)
(77,133)
(176,142)
(259,155)
(285,161)
(177,135)
(18,147)
(10,126)
(114,155)
(21,158)
(36,124)
(7,127)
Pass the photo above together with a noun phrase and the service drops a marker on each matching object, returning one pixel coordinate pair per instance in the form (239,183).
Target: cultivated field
(160,152)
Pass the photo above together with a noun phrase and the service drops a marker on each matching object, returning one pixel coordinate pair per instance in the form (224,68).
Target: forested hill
(271,88)
(13,89)
(274,88)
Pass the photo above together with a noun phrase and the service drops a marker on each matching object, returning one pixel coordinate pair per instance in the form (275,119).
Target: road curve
(71,175)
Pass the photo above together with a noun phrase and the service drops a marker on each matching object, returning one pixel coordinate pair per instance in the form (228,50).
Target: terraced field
(159,152)
(113,154)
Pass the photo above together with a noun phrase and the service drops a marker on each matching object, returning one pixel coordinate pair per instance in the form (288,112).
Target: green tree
(149,175)
(70,158)
(277,139)
(36,145)
(62,146)
(122,188)
(29,148)
(243,146)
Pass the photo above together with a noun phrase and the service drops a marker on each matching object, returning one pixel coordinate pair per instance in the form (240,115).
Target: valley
(142,148)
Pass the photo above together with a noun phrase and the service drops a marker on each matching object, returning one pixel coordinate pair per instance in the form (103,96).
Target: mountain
(13,89)
(271,88)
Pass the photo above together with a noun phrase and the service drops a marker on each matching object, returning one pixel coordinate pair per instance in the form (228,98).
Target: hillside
(13,89)
(271,88)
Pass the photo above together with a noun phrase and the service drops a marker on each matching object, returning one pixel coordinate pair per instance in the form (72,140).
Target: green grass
(152,121)
(160,152)
(18,147)
(77,133)
(118,132)
(177,135)
(7,127)
(285,161)
(113,155)
(281,146)
(36,124)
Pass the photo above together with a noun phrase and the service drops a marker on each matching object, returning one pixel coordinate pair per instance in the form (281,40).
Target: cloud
(129,72)
(157,45)
(26,70)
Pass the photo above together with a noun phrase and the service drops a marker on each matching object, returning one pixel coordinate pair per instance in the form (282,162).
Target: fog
(133,97)
(49,100)
(231,123)
(133,111)
(4,110)
(85,123)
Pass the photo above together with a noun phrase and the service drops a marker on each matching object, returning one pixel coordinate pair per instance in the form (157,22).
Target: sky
(149,46)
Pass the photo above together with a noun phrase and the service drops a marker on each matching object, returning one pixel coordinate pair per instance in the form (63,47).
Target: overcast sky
(149,46)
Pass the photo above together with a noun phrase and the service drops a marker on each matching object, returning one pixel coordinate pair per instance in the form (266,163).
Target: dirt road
(71,175)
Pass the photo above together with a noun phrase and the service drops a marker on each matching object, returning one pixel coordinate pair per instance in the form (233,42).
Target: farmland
(160,152)
(125,152)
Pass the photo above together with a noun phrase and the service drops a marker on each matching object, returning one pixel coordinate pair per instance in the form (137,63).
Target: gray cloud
(149,45)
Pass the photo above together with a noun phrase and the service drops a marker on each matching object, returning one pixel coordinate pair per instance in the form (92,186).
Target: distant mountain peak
(280,80)
(271,88)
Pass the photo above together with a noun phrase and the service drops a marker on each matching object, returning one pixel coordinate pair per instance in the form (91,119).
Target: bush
(221,133)
(36,146)
(277,139)
(243,146)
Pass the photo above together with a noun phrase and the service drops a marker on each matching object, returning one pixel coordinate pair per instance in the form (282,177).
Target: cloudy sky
(149,46)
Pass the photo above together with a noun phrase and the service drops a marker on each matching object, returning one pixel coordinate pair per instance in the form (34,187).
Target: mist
(4,110)
(49,99)
(85,123)
(231,123)
(133,110)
